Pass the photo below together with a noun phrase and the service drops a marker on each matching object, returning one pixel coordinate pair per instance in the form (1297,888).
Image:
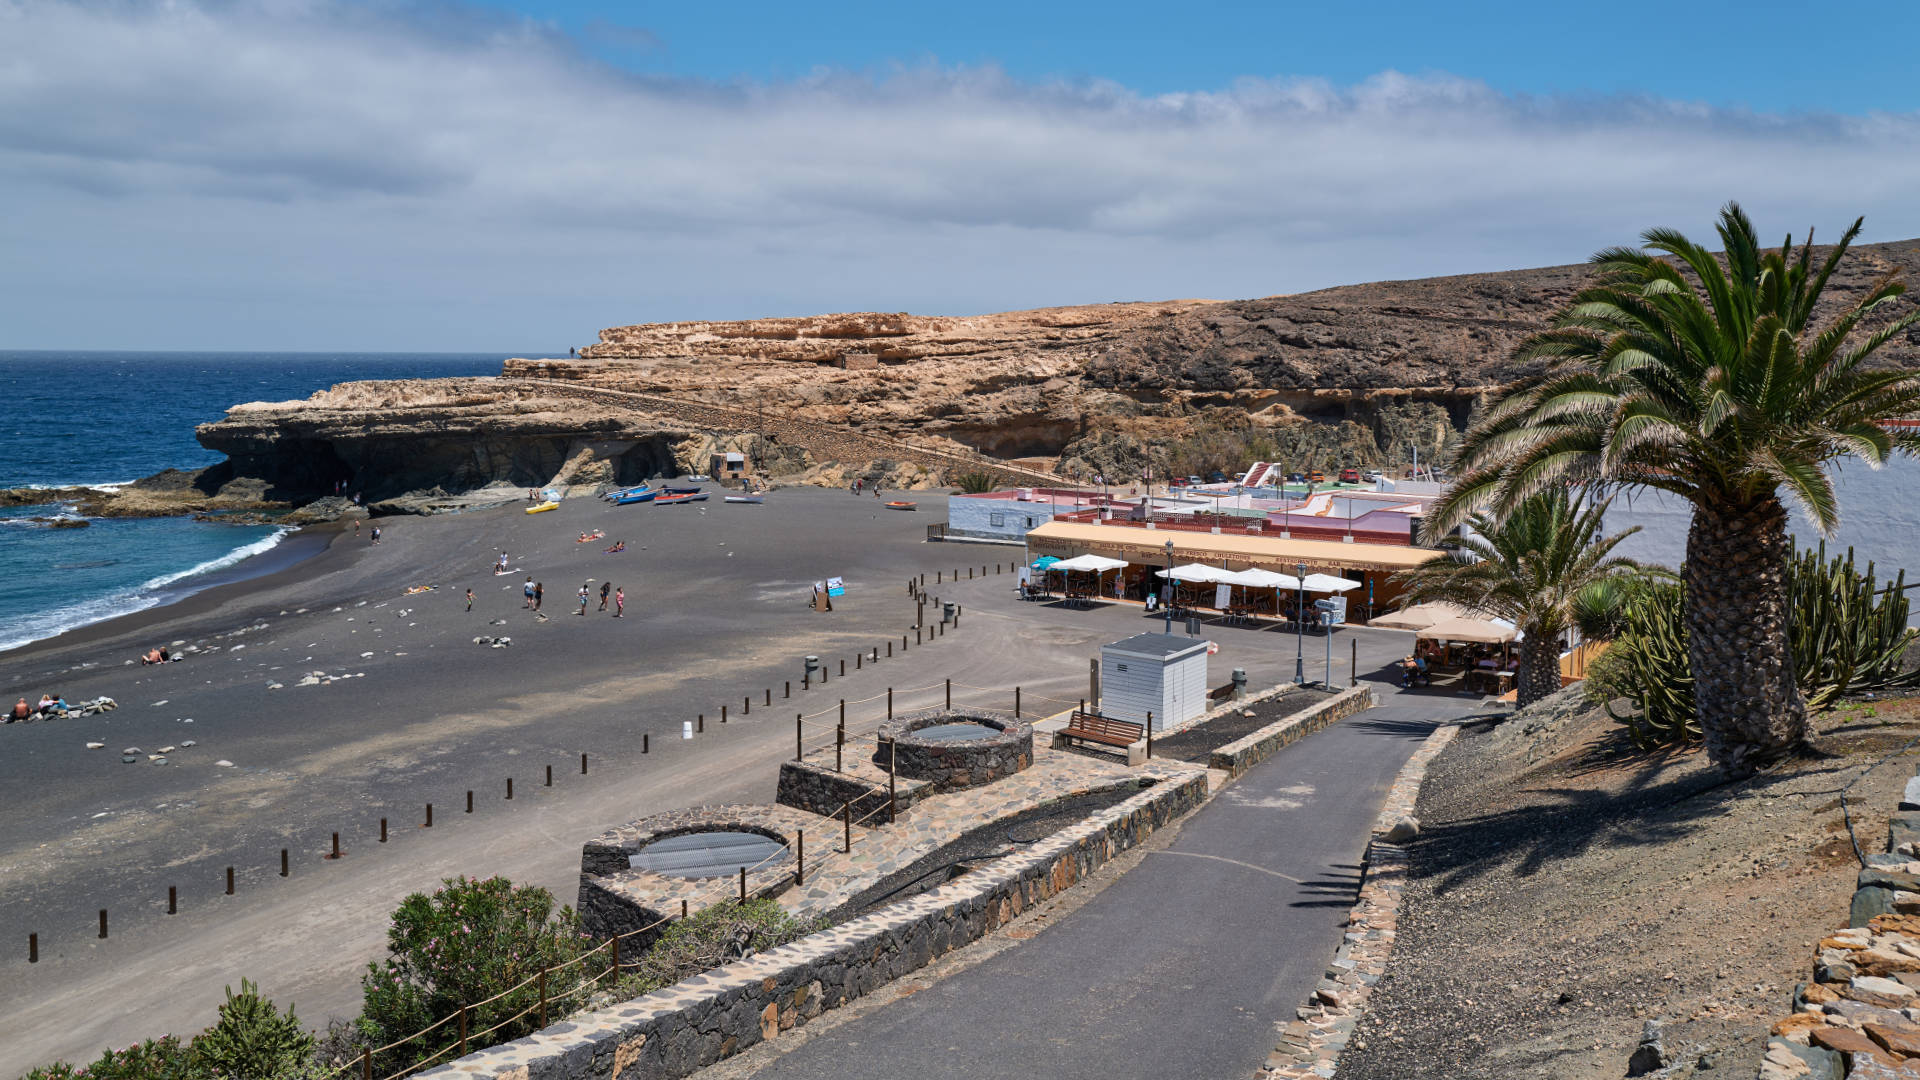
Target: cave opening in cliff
(647,459)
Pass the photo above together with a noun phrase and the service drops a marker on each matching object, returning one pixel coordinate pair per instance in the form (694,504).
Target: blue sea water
(87,418)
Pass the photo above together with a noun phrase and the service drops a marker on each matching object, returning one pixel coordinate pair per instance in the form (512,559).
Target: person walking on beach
(539,594)
(528,590)
(356,528)
(375,531)
(585,595)
(619,604)
(605,588)
(469,599)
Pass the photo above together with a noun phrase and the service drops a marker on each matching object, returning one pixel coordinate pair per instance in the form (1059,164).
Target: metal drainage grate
(953,732)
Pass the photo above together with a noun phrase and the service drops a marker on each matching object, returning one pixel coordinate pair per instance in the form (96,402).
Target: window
(1029,521)
(998,519)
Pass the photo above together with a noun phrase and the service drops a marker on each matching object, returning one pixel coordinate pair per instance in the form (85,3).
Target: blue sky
(371,174)
(1846,57)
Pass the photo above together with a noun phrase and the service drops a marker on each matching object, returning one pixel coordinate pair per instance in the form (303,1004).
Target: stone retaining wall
(1005,747)
(671,1033)
(821,790)
(1860,1016)
(1249,750)
(1310,1042)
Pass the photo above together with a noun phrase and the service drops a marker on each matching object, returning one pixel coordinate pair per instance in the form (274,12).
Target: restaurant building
(1143,545)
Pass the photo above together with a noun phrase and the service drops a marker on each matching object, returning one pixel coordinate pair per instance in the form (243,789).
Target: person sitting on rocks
(22,710)
(46,703)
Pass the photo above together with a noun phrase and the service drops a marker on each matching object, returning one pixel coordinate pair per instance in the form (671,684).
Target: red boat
(901,505)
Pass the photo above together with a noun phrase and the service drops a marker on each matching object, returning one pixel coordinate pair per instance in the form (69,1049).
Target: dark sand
(716,608)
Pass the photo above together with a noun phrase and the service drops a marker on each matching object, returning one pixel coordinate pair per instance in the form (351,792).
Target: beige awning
(1419,616)
(1235,551)
(1477,631)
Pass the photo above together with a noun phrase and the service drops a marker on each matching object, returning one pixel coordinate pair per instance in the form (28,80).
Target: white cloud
(310,173)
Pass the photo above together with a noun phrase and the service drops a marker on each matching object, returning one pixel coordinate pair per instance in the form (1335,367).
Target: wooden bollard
(858,660)
(949,693)
(429,823)
(173,900)
(799,737)
(336,847)
(383,821)
(509,787)
(103,922)
(700,723)
(549,776)
(890,646)
(843,669)
(723,714)
(283,871)
(769,701)
(743,885)
(889,702)
(469,800)
(1016,703)
(1149,734)
(683,908)
(583,764)
(33,948)
(846,815)
(230,878)
(799,856)
(786,689)
(645,738)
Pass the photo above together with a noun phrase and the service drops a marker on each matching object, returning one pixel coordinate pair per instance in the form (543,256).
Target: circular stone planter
(710,853)
(954,749)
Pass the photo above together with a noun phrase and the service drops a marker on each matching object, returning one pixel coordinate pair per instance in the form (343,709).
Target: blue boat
(671,490)
(639,495)
(620,493)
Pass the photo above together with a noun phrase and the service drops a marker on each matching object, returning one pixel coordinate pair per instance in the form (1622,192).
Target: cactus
(1847,632)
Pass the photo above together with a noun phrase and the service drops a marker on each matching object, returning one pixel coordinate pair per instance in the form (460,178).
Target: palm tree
(1714,383)
(1531,568)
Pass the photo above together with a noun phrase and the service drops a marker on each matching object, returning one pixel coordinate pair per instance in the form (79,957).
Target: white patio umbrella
(1193,574)
(1262,579)
(1096,565)
(1327,583)
(1420,616)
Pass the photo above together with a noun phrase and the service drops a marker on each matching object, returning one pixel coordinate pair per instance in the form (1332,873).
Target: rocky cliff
(1362,374)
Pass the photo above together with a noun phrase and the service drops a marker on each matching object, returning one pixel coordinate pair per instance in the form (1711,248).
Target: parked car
(1193,481)
(1296,478)
(1371,476)
(1217,477)
(1349,476)
(1178,481)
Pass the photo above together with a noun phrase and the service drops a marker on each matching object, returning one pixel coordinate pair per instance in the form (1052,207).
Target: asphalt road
(1179,968)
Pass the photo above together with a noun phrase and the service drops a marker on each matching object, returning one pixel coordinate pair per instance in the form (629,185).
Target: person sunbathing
(153,657)
(22,710)
(621,546)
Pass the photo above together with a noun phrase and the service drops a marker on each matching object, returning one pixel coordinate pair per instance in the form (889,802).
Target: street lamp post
(1168,606)
(1300,631)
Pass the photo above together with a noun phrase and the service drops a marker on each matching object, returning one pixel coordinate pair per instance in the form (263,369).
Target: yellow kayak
(543,508)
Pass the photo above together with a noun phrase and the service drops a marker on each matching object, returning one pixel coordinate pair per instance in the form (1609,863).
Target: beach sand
(717,606)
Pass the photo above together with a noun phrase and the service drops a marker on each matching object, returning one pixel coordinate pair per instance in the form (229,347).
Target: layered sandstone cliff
(1358,374)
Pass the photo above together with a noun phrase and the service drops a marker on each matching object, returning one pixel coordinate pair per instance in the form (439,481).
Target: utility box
(1154,673)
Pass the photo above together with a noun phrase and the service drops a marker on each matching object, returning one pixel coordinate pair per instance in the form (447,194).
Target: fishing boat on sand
(745,499)
(543,508)
(682,497)
(672,490)
(621,493)
(637,495)
(900,504)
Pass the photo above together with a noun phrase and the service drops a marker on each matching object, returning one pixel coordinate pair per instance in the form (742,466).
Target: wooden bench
(1122,735)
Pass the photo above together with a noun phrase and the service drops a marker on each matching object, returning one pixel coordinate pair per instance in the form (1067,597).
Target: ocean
(100,418)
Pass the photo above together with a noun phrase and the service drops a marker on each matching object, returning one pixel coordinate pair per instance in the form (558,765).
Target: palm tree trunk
(1750,707)
(1539,667)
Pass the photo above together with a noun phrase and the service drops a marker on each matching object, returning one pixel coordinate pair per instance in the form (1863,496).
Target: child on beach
(619,602)
(539,594)
(605,588)
(469,599)
(584,596)
(527,589)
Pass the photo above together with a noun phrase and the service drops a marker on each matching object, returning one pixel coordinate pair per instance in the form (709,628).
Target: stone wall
(818,789)
(673,1032)
(1004,748)
(1860,1016)
(1244,753)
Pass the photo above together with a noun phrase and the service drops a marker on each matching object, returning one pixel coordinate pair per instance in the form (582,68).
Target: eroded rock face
(906,400)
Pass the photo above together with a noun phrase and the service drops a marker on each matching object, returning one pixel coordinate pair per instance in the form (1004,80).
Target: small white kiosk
(1154,673)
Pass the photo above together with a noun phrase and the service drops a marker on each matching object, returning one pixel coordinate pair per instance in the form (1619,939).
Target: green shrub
(1847,632)
(709,938)
(468,942)
(164,1058)
(251,1039)
(974,483)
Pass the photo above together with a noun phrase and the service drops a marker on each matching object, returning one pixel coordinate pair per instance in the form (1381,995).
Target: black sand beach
(717,608)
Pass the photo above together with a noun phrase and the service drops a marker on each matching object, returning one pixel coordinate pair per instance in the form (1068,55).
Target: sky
(505,175)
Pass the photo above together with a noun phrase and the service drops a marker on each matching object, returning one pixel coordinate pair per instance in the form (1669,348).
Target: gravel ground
(1567,888)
